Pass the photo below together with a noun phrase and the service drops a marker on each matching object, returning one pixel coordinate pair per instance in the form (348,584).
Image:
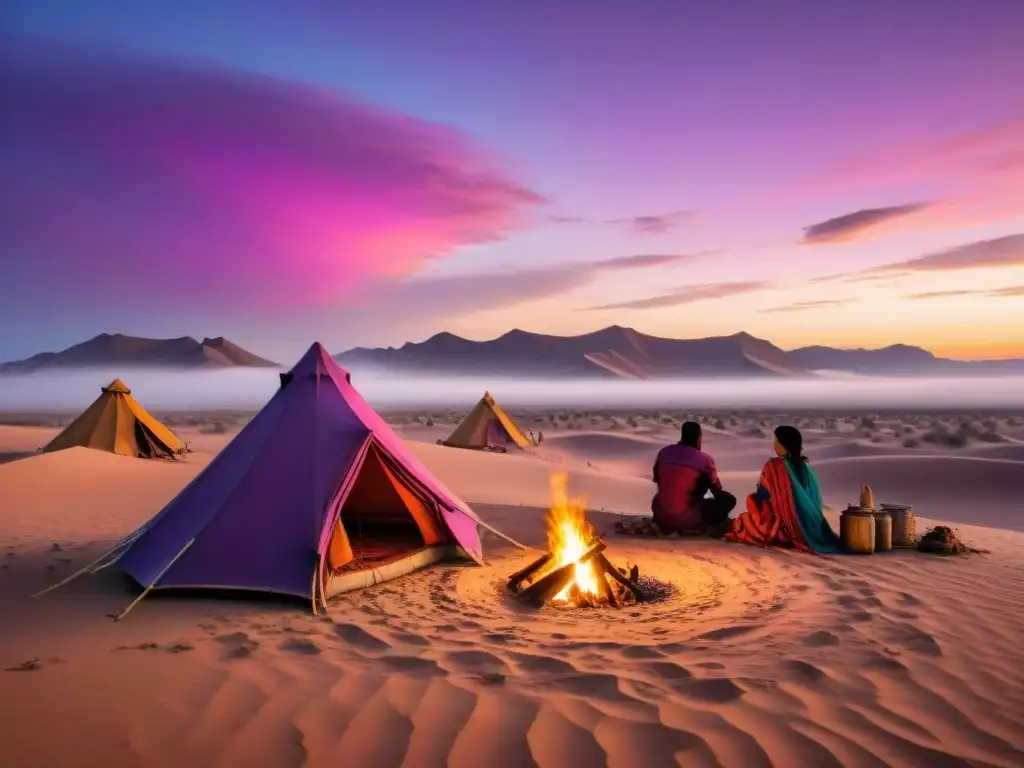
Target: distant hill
(130,351)
(624,353)
(899,360)
(610,353)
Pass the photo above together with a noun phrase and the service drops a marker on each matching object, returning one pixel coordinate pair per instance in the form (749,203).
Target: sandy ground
(763,658)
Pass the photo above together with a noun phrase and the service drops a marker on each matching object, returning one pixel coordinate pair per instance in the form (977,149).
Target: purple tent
(315,496)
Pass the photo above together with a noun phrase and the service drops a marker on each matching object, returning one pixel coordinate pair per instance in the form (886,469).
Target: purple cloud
(685,295)
(853,225)
(129,173)
(654,224)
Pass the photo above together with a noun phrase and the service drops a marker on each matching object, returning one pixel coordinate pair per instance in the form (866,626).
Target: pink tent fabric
(260,516)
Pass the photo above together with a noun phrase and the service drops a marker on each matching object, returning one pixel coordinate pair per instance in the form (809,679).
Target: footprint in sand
(414,665)
(821,638)
(139,647)
(357,636)
(477,661)
(498,638)
(671,671)
(239,645)
(803,671)
(641,652)
(726,632)
(33,664)
(300,646)
(543,664)
(410,639)
(716,690)
(710,665)
(595,685)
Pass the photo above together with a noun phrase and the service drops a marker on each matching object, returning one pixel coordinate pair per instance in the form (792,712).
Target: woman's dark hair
(791,439)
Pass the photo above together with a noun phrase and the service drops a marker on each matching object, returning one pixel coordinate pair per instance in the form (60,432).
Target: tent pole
(91,567)
(147,590)
(320,583)
(313,590)
(501,535)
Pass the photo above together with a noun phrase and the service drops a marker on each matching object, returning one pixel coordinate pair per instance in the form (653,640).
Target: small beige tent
(115,422)
(487,427)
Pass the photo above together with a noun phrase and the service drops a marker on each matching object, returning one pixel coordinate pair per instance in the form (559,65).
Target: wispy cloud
(224,186)
(685,295)
(852,226)
(566,219)
(803,306)
(995,293)
(1005,251)
(463,294)
(656,224)
(643,261)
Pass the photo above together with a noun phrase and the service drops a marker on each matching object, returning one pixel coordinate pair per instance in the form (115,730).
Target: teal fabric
(809,504)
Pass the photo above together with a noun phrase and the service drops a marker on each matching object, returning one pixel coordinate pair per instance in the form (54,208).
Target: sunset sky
(369,173)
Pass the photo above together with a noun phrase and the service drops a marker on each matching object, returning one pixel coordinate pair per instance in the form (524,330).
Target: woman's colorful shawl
(791,517)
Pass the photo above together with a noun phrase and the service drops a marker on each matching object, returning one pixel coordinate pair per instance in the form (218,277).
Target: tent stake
(147,590)
(91,567)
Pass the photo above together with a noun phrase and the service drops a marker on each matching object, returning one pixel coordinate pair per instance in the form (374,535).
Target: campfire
(574,571)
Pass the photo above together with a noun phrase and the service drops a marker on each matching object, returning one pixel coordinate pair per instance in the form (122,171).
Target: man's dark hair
(690,434)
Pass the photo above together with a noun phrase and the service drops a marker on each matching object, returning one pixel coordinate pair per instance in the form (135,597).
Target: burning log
(521,575)
(606,590)
(560,578)
(611,570)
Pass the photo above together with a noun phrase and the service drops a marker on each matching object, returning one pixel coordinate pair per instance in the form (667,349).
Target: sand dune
(763,657)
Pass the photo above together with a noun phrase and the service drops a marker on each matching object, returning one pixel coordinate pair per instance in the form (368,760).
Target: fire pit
(574,571)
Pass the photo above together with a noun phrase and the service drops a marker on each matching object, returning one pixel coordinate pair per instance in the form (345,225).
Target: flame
(570,536)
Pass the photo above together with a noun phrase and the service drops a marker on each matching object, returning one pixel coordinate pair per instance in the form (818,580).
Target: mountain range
(610,353)
(117,349)
(624,353)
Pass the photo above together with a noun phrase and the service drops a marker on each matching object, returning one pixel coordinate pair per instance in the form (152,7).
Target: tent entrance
(149,445)
(382,520)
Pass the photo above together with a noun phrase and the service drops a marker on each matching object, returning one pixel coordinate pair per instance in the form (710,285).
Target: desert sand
(762,658)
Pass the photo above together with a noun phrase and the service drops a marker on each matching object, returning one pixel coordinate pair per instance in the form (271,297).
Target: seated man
(684,474)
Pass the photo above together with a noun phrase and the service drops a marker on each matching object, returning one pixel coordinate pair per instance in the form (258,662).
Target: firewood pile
(539,583)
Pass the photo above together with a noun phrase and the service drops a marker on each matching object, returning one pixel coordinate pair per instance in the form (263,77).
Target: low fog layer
(250,389)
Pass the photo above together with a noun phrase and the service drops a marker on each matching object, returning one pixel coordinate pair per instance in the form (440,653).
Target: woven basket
(904,524)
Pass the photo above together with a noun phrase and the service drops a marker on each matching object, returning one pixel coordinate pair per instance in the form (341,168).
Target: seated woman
(786,509)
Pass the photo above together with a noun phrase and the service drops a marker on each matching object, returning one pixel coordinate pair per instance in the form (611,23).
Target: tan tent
(116,422)
(487,427)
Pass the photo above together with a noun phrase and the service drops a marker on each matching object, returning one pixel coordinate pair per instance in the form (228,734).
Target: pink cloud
(134,172)
(977,178)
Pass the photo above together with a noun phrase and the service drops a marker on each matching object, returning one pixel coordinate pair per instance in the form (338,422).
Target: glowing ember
(569,537)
